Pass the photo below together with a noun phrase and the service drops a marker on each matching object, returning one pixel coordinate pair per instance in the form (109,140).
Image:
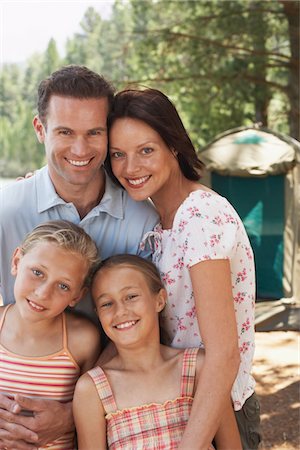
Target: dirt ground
(276,370)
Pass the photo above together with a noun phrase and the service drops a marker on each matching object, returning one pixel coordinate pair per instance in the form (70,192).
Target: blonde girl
(43,350)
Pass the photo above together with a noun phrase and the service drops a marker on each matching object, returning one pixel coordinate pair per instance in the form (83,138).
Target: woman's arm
(89,416)
(228,436)
(211,281)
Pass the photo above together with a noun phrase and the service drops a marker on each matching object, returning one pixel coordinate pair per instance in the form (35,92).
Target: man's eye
(64,287)
(64,132)
(95,133)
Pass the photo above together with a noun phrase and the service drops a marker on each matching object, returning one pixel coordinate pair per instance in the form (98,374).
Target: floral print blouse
(205,227)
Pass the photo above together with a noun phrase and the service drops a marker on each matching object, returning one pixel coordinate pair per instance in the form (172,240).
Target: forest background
(224,64)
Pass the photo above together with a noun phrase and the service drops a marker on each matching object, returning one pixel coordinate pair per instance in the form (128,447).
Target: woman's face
(140,159)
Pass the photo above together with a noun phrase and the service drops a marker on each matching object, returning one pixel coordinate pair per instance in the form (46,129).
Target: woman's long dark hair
(156,110)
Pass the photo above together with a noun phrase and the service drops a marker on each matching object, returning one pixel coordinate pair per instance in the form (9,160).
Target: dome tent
(258,170)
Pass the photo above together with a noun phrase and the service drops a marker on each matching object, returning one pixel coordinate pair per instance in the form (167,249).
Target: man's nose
(79,147)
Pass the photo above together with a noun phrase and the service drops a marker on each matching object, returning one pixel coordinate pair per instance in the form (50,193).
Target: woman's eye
(64,287)
(147,150)
(116,155)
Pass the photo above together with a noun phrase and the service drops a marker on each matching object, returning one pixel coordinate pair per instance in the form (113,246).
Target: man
(73,104)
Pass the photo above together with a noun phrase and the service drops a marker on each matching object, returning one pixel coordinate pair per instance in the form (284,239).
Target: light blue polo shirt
(117,224)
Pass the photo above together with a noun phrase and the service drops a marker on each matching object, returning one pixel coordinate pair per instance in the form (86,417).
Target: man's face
(75,139)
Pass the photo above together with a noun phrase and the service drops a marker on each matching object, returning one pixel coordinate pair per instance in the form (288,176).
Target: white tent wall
(224,163)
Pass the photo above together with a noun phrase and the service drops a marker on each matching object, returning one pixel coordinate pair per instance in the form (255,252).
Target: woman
(203,254)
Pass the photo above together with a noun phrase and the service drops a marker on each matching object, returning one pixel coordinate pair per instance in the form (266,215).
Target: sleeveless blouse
(49,377)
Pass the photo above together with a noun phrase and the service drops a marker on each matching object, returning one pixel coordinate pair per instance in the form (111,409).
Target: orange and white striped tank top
(49,377)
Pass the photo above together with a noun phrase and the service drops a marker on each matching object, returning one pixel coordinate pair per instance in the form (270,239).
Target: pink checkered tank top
(153,426)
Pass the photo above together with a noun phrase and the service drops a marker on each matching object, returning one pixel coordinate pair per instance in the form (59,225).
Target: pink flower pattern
(207,227)
(240,297)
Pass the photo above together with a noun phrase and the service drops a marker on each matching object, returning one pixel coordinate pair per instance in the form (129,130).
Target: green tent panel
(254,200)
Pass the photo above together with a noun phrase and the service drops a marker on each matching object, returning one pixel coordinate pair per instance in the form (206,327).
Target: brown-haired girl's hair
(156,110)
(144,266)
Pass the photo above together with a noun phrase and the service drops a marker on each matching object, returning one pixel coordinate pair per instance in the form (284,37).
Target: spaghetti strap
(64,330)
(103,388)
(3,316)
(188,372)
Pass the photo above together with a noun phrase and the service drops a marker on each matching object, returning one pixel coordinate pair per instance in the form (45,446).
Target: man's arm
(13,434)
(50,420)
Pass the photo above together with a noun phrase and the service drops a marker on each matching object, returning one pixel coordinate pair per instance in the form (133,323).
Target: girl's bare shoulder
(2,309)
(84,340)
(79,327)
(170,353)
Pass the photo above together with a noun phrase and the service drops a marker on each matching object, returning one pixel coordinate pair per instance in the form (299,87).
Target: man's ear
(17,255)
(161,300)
(39,129)
(77,299)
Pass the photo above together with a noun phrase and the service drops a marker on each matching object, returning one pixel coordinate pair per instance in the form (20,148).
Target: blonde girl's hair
(144,266)
(67,236)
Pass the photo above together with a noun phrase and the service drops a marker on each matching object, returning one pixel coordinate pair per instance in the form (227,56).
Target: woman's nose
(132,164)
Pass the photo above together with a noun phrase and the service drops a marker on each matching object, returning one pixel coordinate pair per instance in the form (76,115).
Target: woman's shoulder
(207,196)
(203,204)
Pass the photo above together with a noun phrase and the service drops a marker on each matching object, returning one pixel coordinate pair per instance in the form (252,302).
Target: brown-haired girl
(142,397)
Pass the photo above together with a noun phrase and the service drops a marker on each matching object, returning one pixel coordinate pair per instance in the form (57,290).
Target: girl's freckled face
(48,279)
(127,309)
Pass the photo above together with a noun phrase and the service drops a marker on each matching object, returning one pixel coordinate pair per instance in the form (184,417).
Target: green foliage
(223,63)
(215,59)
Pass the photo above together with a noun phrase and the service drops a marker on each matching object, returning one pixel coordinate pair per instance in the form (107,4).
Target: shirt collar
(46,194)
(112,200)
(47,197)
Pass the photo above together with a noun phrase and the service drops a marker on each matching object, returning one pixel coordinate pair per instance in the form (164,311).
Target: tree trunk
(291,10)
